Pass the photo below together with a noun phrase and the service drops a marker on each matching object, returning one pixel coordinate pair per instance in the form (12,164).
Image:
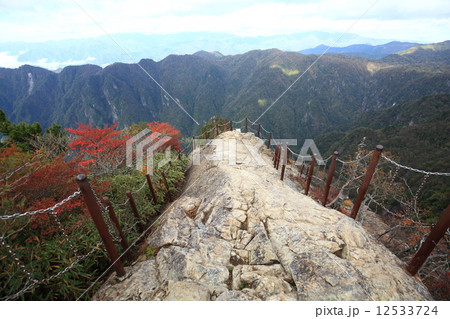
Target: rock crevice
(239,233)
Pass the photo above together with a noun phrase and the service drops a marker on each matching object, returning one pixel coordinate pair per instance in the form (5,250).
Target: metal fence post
(113,216)
(330,178)
(259,130)
(135,212)
(285,159)
(246,125)
(436,233)
(167,185)
(275,157)
(193,143)
(367,178)
(94,210)
(270,137)
(310,174)
(231,125)
(279,156)
(152,190)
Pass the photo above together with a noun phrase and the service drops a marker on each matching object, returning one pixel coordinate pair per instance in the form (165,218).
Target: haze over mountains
(364,50)
(103,51)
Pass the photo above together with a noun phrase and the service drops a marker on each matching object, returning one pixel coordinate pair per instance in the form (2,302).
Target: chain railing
(354,178)
(42,211)
(102,214)
(32,282)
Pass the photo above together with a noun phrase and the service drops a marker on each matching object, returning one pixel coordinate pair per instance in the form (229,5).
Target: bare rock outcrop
(239,233)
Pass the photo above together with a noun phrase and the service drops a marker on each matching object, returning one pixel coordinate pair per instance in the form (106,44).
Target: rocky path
(239,233)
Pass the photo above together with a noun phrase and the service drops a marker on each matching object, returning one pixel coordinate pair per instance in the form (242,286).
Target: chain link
(63,230)
(415,169)
(44,210)
(46,280)
(104,211)
(394,176)
(212,129)
(265,130)
(137,191)
(416,196)
(356,160)
(122,204)
(17,260)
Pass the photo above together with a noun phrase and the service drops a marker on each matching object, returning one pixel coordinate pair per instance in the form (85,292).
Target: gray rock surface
(239,233)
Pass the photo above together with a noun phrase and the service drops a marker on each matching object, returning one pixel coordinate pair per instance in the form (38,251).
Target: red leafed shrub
(171,137)
(102,150)
(31,182)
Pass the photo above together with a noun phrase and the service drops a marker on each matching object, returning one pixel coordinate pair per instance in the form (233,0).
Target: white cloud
(12,61)
(46,19)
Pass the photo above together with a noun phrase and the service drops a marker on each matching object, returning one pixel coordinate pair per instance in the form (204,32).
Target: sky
(423,21)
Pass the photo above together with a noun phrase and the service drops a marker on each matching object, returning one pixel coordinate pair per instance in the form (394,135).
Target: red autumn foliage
(32,182)
(97,145)
(170,135)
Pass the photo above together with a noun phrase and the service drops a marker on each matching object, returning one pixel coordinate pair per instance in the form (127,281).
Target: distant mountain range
(363,50)
(336,90)
(401,100)
(103,51)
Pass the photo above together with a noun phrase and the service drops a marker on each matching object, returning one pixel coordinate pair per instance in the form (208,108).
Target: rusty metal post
(270,137)
(330,178)
(152,190)
(167,185)
(279,156)
(94,210)
(436,233)
(246,125)
(231,125)
(310,174)
(285,160)
(259,130)
(275,157)
(113,217)
(367,178)
(135,211)
(277,151)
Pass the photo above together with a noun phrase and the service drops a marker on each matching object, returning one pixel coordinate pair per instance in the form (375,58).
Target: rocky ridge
(239,233)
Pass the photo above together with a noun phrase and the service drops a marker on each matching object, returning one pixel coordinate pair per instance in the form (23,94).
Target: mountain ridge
(364,50)
(102,51)
(336,90)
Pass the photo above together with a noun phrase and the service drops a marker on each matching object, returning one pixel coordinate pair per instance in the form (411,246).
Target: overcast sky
(42,20)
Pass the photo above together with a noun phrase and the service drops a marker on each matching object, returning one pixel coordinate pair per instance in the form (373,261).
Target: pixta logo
(144,145)
(226,151)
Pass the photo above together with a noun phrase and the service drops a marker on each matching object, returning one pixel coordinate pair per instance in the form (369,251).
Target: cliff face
(239,233)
